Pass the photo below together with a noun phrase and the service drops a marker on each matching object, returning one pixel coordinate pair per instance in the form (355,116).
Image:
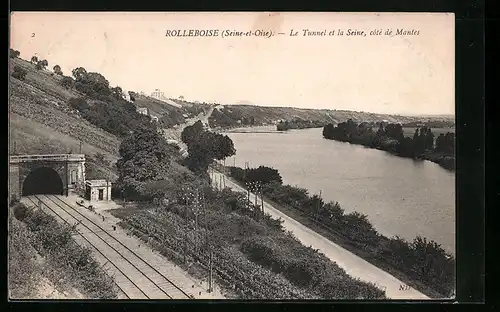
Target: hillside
(247,115)
(169,113)
(41,121)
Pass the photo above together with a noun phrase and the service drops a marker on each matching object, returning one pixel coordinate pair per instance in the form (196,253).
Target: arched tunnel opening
(43,181)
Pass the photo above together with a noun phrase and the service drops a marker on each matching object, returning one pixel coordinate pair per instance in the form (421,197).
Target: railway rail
(132,269)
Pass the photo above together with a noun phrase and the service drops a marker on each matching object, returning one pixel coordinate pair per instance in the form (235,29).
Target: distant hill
(247,115)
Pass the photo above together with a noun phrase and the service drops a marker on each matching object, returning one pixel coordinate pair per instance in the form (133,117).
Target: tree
(144,157)
(205,146)
(79,73)
(264,175)
(57,70)
(191,133)
(34,59)
(132,95)
(14,53)
(429,140)
(222,146)
(19,73)
(117,92)
(67,82)
(42,64)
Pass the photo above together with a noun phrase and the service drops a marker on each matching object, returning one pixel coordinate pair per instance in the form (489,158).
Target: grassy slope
(41,121)
(157,107)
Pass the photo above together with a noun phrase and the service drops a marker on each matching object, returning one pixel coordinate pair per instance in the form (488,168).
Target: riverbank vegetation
(298,123)
(391,138)
(188,221)
(420,260)
(42,248)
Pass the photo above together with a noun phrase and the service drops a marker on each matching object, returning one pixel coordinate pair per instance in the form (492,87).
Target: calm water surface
(400,196)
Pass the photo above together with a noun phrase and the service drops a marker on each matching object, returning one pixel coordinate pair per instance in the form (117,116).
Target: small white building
(97,190)
(143,110)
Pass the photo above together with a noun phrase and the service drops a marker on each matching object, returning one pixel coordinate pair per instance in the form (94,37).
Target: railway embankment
(46,262)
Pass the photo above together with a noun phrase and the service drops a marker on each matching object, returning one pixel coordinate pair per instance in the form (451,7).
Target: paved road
(351,263)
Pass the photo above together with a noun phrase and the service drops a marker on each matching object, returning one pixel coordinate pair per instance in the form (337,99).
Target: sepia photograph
(231,156)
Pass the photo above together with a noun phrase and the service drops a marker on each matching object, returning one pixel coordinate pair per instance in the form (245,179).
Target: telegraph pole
(67,178)
(208,245)
(318,208)
(210,282)
(186,229)
(262,199)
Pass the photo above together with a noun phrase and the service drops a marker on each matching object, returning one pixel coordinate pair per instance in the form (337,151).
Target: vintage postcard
(257,155)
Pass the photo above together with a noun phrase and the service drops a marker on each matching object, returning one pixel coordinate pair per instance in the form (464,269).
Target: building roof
(97,183)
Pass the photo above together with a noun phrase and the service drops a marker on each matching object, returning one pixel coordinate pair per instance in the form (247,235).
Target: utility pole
(108,195)
(262,199)
(208,245)
(196,209)
(186,229)
(210,272)
(80,146)
(318,208)
(256,193)
(67,177)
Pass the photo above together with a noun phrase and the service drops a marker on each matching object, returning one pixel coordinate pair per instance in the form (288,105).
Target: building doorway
(101,194)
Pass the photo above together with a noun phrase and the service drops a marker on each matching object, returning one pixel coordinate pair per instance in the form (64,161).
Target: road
(351,263)
(175,133)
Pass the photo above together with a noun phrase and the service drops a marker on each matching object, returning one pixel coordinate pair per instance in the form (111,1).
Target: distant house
(157,94)
(143,110)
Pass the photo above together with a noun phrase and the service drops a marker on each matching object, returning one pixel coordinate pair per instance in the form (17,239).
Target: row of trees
(205,146)
(422,260)
(109,110)
(298,123)
(391,138)
(20,73)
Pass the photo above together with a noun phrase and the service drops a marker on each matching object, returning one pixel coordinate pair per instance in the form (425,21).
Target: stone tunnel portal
(43,181)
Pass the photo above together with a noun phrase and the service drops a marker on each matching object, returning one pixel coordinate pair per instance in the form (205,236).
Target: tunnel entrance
(43,181)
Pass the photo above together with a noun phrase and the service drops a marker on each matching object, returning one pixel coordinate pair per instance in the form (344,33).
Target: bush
(80,269)
(19,73)
(23,272)
(20,211)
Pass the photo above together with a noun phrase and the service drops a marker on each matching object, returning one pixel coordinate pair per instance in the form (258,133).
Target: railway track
(134,276)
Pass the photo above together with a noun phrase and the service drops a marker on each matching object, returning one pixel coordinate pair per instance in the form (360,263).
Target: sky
(396,74)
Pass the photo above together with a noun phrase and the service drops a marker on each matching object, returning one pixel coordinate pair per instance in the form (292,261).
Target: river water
(401,196)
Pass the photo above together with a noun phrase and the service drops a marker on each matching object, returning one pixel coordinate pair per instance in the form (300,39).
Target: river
(401,196)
